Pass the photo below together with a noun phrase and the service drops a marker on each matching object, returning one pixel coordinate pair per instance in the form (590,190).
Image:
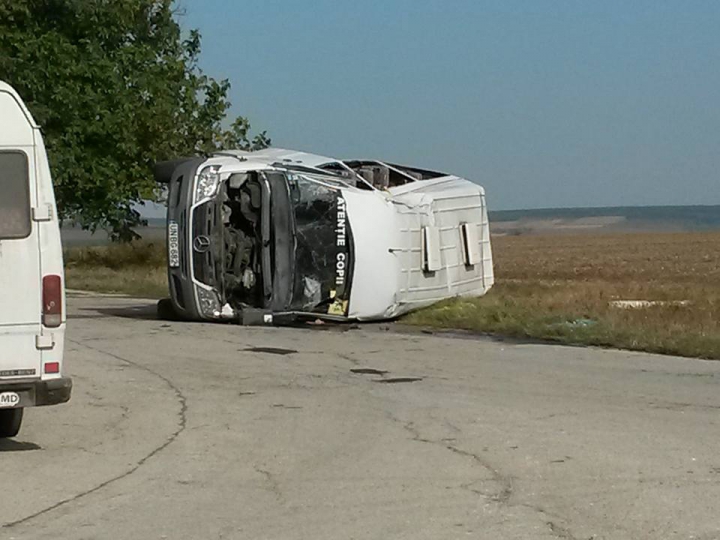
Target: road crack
(182,422)
(506,491)
(504,496)
(271,481)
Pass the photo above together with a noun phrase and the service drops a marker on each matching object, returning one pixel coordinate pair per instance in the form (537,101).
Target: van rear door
(20,279)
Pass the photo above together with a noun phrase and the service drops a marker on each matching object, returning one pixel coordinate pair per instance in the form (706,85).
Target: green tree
(116,86)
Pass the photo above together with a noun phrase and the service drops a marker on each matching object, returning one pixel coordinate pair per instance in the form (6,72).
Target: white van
(278,236)
(32,292)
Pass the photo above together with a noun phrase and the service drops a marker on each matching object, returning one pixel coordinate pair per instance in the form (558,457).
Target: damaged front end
(258,246)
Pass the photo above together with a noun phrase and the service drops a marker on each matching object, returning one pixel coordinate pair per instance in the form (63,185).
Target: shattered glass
(315,207)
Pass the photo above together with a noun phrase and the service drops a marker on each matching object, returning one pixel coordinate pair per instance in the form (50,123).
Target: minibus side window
(15,220)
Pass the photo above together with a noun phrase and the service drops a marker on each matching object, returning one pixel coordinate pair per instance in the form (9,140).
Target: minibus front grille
(204,226)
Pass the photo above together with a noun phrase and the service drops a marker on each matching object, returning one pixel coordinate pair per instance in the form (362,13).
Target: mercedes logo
(201,244)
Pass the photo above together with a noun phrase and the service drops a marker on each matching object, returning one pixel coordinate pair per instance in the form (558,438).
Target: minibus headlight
(208,302)
(207,182)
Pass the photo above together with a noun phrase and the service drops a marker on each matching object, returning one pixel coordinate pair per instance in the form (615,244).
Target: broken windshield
(323,245)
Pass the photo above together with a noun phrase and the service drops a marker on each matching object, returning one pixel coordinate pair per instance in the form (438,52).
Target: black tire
(166,310)
(10,421)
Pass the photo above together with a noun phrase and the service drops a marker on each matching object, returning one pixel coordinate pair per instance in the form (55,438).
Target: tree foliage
(116,86)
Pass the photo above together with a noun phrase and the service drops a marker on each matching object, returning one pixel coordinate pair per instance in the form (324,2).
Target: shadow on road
(144,312)
(9,445)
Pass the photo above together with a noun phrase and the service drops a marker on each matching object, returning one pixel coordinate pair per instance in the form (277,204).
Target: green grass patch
(663,330)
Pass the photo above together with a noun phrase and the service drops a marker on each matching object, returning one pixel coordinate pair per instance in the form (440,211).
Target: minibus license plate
(173,245)
(9,399)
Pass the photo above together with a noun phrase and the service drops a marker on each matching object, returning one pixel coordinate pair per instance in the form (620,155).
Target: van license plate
(9,399)
(173,245)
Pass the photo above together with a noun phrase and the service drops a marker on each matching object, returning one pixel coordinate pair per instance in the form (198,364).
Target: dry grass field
(562,288)
(138,269)
(556,287)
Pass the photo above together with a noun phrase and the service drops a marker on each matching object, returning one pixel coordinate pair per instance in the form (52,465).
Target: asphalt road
(198,431)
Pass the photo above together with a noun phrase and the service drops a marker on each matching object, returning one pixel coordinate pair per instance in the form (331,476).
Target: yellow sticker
(338,307)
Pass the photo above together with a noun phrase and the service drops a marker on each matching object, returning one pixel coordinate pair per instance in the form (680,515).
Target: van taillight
(52,301)
(52,367)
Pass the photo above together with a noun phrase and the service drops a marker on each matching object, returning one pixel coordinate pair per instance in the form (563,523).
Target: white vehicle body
(417,249)
(418,236)
(32,300)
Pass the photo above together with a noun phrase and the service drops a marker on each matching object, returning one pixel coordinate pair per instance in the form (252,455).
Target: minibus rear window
(14,195)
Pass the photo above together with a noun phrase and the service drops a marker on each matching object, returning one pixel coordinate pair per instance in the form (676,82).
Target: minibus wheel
(10,420)
(166,310)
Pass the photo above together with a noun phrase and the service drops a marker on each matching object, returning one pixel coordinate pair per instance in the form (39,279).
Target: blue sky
(545,102)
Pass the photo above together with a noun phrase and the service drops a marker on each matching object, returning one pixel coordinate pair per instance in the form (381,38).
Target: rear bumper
(37,393)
